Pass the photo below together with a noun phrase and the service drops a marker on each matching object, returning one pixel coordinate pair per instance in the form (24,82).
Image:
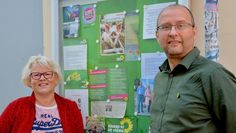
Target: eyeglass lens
(46,75)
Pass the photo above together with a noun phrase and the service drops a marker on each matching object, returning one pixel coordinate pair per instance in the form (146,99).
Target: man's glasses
(37,75)
(178,27)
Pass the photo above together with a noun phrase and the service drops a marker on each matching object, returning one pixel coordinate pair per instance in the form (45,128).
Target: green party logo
(128,126)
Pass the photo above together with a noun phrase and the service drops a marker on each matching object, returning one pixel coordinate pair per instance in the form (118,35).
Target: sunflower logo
(74,76)
(129,127)
(122,57)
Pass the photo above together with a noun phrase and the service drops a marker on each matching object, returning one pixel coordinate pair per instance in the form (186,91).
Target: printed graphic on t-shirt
(47,120)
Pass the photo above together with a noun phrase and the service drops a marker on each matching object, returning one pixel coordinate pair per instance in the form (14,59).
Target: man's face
(176,34)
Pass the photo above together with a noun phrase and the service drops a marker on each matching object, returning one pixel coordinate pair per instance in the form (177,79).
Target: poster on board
(112,39)
(71,21)
(211,30)
(89,14)
(132,51)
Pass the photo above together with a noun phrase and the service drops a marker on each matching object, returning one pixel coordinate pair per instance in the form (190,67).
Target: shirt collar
(186,62)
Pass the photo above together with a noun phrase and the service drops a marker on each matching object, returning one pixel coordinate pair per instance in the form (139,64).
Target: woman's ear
(57,78)
(29,83)
(157,36)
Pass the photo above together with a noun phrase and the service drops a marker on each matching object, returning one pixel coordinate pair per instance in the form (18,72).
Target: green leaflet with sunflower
(75,79)
(123,125)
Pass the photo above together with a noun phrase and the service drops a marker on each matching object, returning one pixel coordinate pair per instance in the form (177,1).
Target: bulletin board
(106,70)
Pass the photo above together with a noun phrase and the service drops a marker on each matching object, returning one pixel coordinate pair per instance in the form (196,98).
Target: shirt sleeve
(220,91)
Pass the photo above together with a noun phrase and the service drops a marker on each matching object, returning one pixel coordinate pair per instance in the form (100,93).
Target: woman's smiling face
(43,80)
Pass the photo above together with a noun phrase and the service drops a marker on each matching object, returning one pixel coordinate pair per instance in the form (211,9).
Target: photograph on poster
(132,52)
(95,124)
(143,96)
(112,34)
(71,21)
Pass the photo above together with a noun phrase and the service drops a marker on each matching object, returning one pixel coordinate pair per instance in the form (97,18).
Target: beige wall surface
(47,27)
(197,8)
(227,27)
(227,30)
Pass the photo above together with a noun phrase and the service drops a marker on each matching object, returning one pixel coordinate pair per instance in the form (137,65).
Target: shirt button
(161,110)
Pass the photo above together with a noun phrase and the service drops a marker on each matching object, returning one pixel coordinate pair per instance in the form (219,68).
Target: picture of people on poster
(143,96)
(140,92)
(147,95)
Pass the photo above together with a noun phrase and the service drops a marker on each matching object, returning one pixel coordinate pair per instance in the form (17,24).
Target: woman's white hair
(43,61)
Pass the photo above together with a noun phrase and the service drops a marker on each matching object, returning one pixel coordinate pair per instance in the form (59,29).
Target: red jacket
(19,116)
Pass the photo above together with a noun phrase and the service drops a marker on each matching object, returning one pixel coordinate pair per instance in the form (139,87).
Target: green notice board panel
(117,57)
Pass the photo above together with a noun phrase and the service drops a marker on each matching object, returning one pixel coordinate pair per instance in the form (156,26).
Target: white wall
(21,35)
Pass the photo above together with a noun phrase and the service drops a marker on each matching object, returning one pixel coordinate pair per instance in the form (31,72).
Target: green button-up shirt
(198,96)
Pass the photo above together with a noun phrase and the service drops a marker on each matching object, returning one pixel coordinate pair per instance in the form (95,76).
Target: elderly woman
(43,111)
